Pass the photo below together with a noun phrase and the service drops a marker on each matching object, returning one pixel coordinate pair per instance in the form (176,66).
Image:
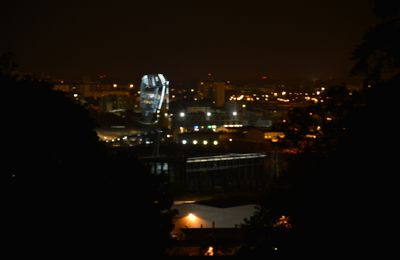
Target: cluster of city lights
(278,96)
(195,142)
(115,85)
(233,125)
(283,222)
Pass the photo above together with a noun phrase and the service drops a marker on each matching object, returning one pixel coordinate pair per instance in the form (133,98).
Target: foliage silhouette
(63,191)
(378,56)
(342,188)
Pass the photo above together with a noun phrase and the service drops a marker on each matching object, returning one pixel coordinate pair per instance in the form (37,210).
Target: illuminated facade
(154,97)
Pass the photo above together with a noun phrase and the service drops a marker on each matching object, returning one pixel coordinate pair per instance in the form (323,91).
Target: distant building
(225,172)
(204,89)
(216,173)
(219,93)
(112,102)
(193,215)
(214,91)
(201,229)
(105,97)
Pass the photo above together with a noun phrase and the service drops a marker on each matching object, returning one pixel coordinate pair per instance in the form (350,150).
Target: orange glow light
(210,251)
(191,217)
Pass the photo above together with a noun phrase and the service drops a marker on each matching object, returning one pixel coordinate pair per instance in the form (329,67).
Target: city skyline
(186,41)
(199,128)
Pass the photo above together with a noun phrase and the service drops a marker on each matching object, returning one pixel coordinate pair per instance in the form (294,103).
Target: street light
(191,217)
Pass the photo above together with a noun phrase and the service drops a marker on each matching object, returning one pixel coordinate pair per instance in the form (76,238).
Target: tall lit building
(154,98)
(219,93)
(214,91)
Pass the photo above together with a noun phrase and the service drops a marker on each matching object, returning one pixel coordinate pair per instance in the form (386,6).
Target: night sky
(235,40)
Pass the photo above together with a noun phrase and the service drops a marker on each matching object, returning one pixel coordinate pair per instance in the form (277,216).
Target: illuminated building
(104,97)
(213,90)
(154,97)
(204,174)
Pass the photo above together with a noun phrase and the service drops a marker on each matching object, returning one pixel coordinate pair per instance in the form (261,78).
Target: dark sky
(186,40)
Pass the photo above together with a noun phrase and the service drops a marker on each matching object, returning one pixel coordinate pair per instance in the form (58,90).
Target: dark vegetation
(62,191)
(340,191)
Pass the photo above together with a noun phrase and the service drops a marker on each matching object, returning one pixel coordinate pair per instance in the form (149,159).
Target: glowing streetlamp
(191,217)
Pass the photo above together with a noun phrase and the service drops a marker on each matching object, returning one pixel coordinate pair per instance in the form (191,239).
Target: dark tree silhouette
(342,191)
(62,191)
(387,9)
(378,56)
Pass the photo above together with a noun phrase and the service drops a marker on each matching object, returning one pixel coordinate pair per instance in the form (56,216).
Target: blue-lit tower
(154,98)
